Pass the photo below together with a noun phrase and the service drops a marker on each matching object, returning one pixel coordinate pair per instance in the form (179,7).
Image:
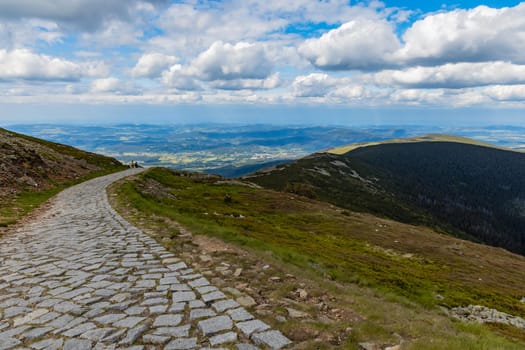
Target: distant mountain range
(235,150)
(463,187)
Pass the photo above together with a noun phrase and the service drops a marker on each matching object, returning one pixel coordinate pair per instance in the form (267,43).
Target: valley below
(233,150)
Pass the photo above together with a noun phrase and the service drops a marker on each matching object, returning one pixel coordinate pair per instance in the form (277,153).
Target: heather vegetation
(467,190)
(403,263)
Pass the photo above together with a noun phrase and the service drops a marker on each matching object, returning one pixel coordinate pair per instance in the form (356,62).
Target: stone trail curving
(81,277)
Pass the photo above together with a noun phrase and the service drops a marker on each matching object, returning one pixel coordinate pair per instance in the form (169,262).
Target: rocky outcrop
(482,314)
(28,163)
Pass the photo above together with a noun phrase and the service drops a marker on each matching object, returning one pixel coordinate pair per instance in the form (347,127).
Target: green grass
(407,265)
(348,249)
(22,204)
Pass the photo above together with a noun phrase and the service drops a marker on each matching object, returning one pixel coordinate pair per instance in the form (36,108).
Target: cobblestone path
(81,277)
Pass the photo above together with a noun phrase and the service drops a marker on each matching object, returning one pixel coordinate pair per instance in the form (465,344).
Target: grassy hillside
(468,190)
(405,262)
(32,170)
(423,138)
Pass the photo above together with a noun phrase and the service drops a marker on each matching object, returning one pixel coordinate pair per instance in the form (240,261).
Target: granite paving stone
(201,313)
(240,314)
(110,318)
(169,320)
(154,301)
(158,309)
(78,330)
(8,343)
(28,318)
(178,287)
(74,322)
(223,305)
(272,339)
(183,296)
(177,307)
(77,344)
(97,334)
(155,339)
(206,289)
(181,344)
(194,304)
(215,324)
(228,337)
(48,344)
(213,296)
(133,334)
(135,310)
(80,277)
(181,331)
(199,282)
(36,332)
(249,327)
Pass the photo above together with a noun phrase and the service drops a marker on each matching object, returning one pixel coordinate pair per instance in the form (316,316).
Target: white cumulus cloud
(323,85)
(362,44)
(84,14)
(270,82)
(479,34)
(151,65)
(114,86)
(506,92)
(454,75)
(313,85)
(224,61)
(177,77)
(225,66)
(26,65)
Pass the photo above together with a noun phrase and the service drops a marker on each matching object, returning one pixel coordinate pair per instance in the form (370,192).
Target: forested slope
(467,190)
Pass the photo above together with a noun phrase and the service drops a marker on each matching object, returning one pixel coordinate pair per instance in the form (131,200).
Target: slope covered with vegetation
(465,189)
(32,170)
(398,261)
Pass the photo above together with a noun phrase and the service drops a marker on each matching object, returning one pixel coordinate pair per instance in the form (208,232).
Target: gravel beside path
(81,277)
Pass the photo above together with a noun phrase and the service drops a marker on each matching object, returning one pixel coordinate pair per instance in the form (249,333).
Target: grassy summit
(423,138)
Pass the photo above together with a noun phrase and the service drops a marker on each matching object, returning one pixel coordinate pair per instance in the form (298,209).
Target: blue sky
(329,61)
(435,5)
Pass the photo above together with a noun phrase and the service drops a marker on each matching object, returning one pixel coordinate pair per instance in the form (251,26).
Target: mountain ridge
(423,138)
(466,189)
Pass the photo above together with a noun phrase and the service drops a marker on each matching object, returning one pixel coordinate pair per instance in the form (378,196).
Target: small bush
(301,189)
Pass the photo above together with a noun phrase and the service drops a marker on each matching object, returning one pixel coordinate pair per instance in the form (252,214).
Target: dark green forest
(466,190)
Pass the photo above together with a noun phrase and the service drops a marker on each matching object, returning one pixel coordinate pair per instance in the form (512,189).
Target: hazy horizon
(249,115)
